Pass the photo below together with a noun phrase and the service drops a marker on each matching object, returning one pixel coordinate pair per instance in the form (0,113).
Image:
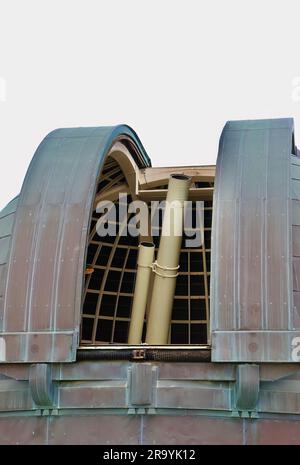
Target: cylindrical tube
(167,264)
(144,270)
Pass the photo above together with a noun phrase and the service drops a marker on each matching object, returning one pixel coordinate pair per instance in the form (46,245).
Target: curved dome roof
(43,239)
(7,217)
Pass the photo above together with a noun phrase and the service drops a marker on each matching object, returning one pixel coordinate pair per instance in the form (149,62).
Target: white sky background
(174,70)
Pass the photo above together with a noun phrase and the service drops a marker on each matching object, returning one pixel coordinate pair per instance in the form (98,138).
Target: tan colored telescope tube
(167,264)
(145,261)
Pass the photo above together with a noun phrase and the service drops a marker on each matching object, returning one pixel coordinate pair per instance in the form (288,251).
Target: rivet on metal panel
(43,390)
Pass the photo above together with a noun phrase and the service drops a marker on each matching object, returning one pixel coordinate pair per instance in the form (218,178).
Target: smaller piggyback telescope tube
(143,276)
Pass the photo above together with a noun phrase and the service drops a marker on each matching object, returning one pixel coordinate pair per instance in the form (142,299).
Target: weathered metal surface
(15,396)
(114,370)
(273,432)
(254,346)
(197,371)
(182,403)
(98,429)
(124,385)
(147,430)
(7,218)
(91,394)
(41,311)
(23,430)
(91,371)
(142,384)
(81,429)
(193,395)
(275,371)
(17,372)
(281,396)
(42,388)
(247,387)
(295,213)
(115,385)
(251,285)
(192,430)
(56,346)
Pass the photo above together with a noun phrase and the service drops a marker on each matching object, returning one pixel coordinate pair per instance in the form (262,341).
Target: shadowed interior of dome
(111,265)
